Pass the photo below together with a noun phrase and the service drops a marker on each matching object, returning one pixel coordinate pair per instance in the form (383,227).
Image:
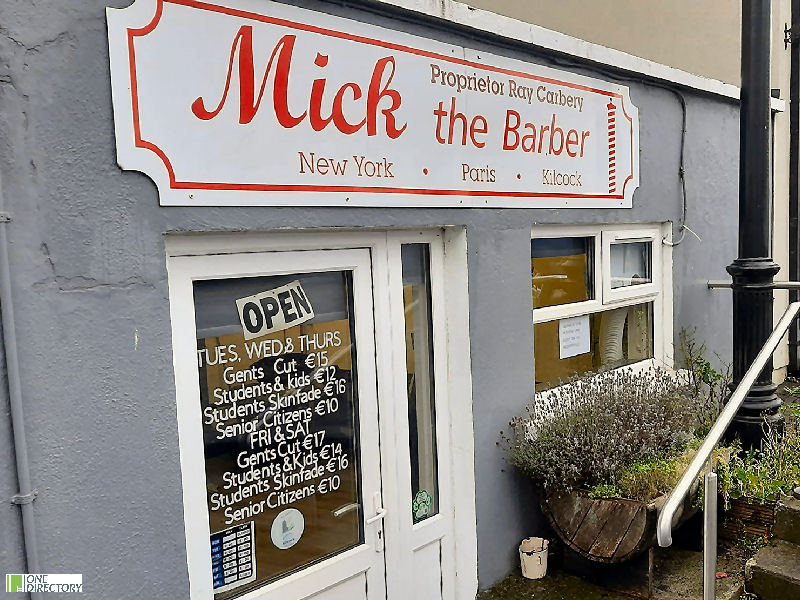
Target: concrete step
(787,520)
(774,572)
(729,589)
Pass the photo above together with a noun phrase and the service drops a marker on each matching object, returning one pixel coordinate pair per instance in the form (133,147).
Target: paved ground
(677,576)
(679,573)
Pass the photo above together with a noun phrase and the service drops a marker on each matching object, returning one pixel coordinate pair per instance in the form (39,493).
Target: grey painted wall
(89,280)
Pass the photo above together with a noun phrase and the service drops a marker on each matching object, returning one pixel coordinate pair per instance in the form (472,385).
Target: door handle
(378,516)
(345,509)
(380,512)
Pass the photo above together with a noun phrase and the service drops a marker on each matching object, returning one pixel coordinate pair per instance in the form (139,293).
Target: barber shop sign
(255,103)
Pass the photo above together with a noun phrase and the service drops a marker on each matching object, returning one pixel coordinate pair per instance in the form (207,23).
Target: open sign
(274,310)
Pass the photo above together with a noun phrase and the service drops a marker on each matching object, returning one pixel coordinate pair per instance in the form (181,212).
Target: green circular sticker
(421,507)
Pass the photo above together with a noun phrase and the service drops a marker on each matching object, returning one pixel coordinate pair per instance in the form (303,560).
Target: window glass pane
(630,264)
(600,341)
(562,270)
(279,408)
(419,381)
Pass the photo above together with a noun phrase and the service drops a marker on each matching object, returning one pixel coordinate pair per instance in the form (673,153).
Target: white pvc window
(630,271)
(598,300)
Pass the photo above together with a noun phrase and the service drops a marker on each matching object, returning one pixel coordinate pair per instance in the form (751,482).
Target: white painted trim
(618,295)
(462,440)
(555,41)
(190,427)
(577,309)
(563,311)
(391,418)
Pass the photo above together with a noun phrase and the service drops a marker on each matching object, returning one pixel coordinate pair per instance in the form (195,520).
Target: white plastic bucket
(533,557)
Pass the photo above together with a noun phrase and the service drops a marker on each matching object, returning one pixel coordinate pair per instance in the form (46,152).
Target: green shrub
(648,479)
(605,490)
(767,474)
(708,386)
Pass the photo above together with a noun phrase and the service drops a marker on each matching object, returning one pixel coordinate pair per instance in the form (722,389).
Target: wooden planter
(610,530)
(747,519)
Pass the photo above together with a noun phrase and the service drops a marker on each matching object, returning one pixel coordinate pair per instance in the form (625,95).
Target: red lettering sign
(248,103)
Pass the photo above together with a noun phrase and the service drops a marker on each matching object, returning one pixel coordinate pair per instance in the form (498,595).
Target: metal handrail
(692,472)
(776,285)
(718,429)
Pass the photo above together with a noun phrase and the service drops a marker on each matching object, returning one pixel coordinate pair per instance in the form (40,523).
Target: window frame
(562,311)
(659,292)
(639,291)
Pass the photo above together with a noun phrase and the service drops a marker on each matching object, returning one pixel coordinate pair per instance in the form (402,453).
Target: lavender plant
(585,433)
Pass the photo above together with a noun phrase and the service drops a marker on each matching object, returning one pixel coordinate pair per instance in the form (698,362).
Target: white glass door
(422,536)
(278,424)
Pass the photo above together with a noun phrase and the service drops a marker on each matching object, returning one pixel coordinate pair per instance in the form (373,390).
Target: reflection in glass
(419,370)
(616,337)
(280,429)
(630,264)
(561,270)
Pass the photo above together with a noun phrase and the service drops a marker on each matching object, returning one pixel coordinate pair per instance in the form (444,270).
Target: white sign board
(274,310)
(573,336)
(256,103)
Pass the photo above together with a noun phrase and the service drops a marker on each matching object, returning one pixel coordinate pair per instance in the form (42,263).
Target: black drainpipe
(753,271)
(794,183)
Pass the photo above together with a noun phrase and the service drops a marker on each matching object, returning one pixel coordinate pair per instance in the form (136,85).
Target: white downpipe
(26,493)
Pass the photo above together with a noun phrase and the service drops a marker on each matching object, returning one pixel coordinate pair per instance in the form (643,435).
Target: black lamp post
(754,270)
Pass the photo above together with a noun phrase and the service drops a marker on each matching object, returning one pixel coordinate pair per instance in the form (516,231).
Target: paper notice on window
(573,336)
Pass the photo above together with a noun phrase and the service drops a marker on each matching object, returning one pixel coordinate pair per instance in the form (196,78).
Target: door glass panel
(278,394)
(561,270)
(419,380)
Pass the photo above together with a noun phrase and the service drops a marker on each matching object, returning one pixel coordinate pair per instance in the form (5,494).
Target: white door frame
(412,538)
(454,392)
(363,559)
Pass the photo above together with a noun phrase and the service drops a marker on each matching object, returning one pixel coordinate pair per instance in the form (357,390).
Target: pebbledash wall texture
(89,280)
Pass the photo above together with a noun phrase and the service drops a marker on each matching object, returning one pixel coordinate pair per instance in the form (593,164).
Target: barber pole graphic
(612,151)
